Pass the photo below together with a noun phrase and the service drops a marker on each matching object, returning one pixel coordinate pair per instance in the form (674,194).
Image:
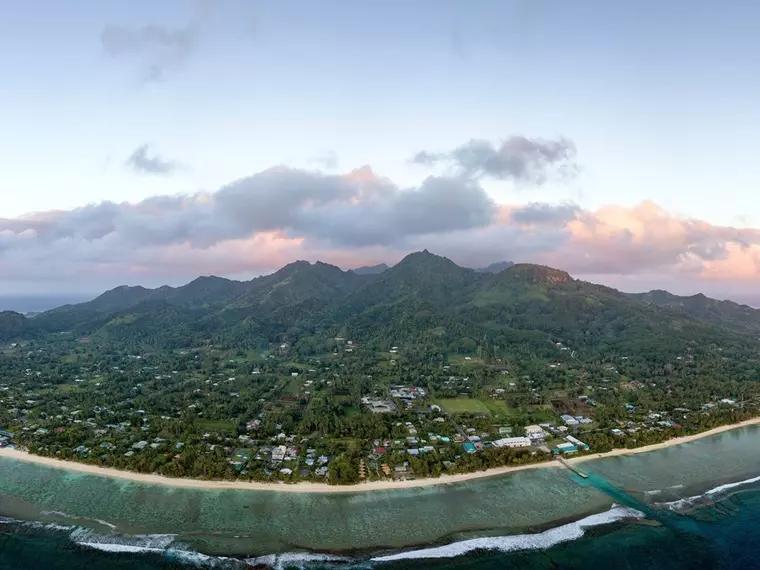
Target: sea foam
(144,543)
(79,518)
(162,544)
(35,524)
(727,486)
(296,559)
(686,502)
(198,560)
(510,543)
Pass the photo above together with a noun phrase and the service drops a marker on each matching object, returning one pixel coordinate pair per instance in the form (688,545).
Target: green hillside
(413,370)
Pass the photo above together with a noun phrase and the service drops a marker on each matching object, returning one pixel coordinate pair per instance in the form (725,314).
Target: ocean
(39,303)
(695,505)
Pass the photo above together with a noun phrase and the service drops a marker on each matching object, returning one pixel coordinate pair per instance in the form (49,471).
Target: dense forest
(413,370)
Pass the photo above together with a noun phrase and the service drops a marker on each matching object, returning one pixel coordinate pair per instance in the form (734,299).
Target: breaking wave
(155,543)
(510,543)
(35,524)
(727,486)
(160,544)
(166,545)
(687,502)
(78,518)
(192,558)
(296,559)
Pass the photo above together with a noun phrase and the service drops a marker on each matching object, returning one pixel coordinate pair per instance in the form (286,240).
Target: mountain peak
(325,265)
(296,263)
(11,315)
(122,293)
(292,267)
(305,267)
(208,279)
(427,258)
(12,324)
(422,275)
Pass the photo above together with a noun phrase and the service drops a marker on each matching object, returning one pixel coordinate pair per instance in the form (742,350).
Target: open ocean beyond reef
(695,505)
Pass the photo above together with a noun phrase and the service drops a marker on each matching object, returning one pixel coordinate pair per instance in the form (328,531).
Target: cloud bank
(260,222)
(519,159)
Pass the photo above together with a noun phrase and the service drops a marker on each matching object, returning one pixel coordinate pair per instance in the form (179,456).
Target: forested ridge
(317,373)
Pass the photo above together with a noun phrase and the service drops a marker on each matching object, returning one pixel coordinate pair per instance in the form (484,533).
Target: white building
(512,442)
(569,420)
(577,442)
(535,433)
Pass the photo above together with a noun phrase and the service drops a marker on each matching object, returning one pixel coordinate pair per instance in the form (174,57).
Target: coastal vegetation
(421,369)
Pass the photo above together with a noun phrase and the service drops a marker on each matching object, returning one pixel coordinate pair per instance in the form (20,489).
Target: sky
(151,142)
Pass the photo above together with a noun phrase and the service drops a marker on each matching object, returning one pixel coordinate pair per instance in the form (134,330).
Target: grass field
(495,408)
(498,408)
(463,406)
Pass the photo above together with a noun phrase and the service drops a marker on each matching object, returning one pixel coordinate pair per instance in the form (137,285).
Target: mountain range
(425,299)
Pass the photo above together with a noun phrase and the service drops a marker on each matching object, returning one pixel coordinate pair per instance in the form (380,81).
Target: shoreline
(324,488)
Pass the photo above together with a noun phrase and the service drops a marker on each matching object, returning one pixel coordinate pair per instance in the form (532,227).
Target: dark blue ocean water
(727,537)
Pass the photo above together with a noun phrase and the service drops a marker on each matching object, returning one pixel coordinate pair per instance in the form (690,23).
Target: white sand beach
(308,487)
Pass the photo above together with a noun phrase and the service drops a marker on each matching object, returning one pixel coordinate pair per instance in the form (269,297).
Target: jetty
(571,467)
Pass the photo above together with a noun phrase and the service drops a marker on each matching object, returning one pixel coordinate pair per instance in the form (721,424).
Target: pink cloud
(742,263)
(262,222)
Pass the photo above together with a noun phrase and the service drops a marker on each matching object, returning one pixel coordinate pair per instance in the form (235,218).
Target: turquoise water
(532,514)
(240,522)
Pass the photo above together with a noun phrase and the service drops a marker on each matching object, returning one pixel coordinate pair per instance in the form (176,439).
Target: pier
(571,467)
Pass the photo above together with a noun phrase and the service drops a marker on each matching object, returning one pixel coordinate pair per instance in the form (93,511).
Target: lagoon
(103,512)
